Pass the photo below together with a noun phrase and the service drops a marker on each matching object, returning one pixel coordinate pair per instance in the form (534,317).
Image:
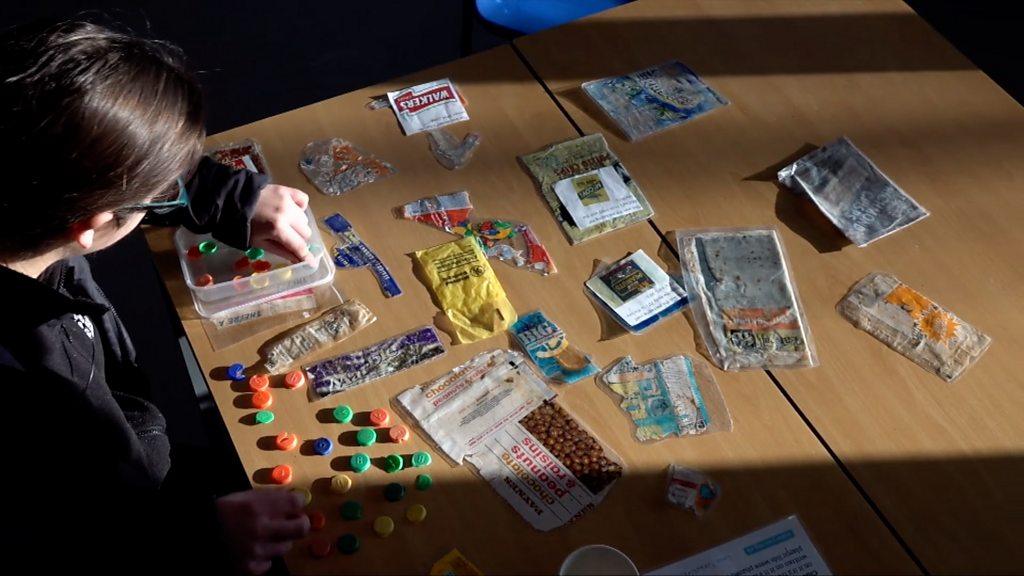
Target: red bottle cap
(294,379)
(379,417)
(286,441)
(281,474)
(194,253)
(259,382)
(242,264)
(319,547)
(261,265)
(262,399)
(204,280)
(317,520)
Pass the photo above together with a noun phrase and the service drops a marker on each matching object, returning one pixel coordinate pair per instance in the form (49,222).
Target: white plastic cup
(599,560)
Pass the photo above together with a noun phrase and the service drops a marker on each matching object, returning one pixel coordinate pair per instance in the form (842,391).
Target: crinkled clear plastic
(743,300)
(668,397)
(451,152)
(336,166)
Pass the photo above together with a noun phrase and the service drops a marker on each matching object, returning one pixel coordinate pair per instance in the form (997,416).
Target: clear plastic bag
(744,303)
(336,166)
(668,397)
(333,326)
(636,292)
(653,99)
(852,192)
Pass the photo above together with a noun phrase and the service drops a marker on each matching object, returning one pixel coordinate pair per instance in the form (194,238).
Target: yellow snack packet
(465,288)
(454,564)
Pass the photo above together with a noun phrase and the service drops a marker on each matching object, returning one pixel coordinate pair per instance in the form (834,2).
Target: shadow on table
(915,494)
(797,211)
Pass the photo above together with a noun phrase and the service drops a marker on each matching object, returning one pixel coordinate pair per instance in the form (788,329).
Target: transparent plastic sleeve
(334,325)
(636,292)
(668,397)
(744,303)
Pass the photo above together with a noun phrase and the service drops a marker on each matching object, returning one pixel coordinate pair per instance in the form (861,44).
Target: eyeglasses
(165,206)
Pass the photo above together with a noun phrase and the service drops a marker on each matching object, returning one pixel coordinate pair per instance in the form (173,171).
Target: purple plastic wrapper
(384,358)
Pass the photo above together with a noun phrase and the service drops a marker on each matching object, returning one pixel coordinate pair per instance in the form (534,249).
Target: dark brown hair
(92,120)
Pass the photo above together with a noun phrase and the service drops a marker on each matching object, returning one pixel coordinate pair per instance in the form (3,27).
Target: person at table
(101,130)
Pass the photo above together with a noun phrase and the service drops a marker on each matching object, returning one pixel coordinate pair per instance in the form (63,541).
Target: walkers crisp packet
(427,106)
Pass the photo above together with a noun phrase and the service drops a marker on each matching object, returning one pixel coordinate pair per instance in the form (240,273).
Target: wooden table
(770,466)
(943,462)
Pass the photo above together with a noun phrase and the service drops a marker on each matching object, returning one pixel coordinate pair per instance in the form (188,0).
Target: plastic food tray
(234,288)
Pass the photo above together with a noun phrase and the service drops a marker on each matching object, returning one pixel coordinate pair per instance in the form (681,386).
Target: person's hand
(261,524)
(279,223)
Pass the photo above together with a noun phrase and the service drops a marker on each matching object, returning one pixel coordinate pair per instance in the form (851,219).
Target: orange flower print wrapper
(913,325)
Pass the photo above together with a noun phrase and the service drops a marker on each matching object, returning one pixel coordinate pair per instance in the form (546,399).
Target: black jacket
(90,455)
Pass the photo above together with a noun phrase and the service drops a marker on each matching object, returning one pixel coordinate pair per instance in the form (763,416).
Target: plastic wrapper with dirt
(852,192)
(913,325)
(668,397)
(743,300)
(575,168)
(333,326)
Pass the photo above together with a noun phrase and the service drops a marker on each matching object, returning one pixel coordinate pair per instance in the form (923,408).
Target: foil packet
(333,326)
(427,106)
(852,192)
(653,99)
(550,349)
(336,166)
(465,288)
(380,360)
(913,325)
(670,397)
(744,302)
(575,158)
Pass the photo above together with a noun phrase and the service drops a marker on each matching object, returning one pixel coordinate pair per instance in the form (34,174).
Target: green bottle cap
(393,463)
(343,414)
(264,417)
(360,462)
(254,253)
(366,437)
(351,510)
(424,482)
(348,544)
(394,492)
(208,247)
(420,459)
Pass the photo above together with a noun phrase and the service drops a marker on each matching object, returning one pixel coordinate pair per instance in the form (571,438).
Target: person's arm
(242,209)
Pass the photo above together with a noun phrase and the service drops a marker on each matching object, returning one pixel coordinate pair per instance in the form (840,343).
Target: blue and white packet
(352,252)
(636,292)
(653,99)
(550,350)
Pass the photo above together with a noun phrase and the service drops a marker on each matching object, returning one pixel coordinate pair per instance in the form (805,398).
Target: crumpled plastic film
(913,325)
(331,327)
(514,243)
(336,166)
(451,152)
(466,289)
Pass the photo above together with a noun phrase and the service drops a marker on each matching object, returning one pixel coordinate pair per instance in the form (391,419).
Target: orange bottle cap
(286,441)
(281,474)
(262,399)
(259,382)
(379,417)
(294,379)
(398,433)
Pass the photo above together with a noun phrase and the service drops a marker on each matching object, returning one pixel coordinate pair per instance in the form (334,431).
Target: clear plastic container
(234,286)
